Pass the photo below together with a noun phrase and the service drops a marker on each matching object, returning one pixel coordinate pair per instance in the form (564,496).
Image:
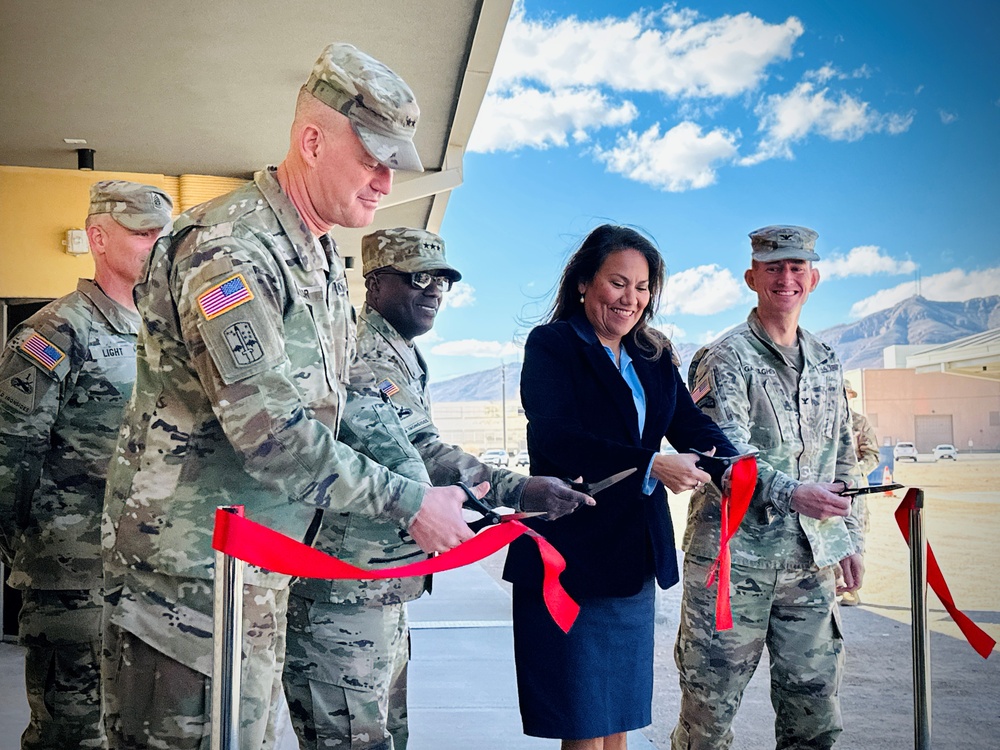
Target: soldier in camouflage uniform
(774,388)
(348,642)
(65,377)
(244,358)
(866,450)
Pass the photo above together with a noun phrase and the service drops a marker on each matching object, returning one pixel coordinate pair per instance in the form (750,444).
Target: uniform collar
(305,244)
(121,319)
(407,350)
(813,351)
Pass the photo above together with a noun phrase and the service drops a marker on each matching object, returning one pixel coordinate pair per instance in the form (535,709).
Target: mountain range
(914,321)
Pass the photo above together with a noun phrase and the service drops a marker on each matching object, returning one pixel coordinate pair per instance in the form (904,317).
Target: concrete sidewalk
(462,685)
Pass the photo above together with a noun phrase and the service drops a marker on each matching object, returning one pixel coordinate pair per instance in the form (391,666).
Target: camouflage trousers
(61,631)
(791,612)
(152,701)
(345,675)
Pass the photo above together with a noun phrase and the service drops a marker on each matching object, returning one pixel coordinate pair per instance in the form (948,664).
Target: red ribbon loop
(976,636)
(258,545)
(742,482)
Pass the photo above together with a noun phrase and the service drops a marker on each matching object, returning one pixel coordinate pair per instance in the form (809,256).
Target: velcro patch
(18,390)
(43,351)
(388,388)
(224,297)
(701,390)
(244,344)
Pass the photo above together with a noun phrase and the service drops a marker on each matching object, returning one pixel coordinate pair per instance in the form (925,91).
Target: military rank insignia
(224,296)
(388,388)
(43,351)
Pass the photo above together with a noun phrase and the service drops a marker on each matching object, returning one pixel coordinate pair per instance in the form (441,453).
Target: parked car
(495,457)
(945,451)
(522,459)
(904,450)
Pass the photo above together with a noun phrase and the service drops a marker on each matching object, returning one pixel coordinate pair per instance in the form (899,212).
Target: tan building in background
(946,394)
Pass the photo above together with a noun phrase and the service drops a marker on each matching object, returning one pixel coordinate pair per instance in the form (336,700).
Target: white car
(945,451)
(522,459)
(495,457)
(904,450)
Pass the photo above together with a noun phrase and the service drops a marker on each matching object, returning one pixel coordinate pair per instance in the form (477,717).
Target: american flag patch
(700,391)
(42,351)
(223,297)
(388,388)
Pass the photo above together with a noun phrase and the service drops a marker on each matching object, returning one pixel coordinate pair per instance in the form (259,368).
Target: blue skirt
(595,681)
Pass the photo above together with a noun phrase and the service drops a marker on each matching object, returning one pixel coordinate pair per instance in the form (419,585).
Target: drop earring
(581,299)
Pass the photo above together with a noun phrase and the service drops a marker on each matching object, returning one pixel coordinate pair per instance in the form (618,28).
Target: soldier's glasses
(423,279)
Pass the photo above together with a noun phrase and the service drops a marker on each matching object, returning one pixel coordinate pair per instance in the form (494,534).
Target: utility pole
(503,401)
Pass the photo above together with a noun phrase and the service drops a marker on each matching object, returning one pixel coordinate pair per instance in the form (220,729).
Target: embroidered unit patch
(18,391)
(388,388)
(42,351)
(244,344)
(223,297)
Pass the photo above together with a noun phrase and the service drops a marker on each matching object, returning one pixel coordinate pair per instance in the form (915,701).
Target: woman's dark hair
(587,261)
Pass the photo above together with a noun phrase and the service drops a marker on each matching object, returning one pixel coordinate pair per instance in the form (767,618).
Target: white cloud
(702,290)
(947,117)
(956,285)
(864,260)
(671,51)
(462,294)
(529,117)
(786,119)
(828,72)
(477,348)
(682,159)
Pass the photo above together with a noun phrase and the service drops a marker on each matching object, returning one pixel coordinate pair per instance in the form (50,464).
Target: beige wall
(477,426)
(896,397)
(37,207)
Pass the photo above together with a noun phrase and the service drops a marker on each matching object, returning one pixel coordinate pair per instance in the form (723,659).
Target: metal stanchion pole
(227,634)
(919,627)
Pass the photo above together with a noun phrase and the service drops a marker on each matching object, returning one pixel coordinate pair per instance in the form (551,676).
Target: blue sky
(875,123)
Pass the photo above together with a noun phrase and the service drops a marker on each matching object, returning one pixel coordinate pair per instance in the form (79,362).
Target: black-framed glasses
(423,279)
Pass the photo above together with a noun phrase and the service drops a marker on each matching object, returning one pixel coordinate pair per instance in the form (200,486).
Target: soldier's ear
(748,278)
(97,238)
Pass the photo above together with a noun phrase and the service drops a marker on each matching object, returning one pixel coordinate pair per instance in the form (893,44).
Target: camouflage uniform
(65,377)
(348,642)
(245,355)
(782,574)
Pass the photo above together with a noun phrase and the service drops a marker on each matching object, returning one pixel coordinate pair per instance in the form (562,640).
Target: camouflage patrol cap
(404,249)
(783,242)
(379,104)
(849,389)
(134,206)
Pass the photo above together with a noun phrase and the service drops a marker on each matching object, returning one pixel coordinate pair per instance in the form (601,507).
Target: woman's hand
(678,472)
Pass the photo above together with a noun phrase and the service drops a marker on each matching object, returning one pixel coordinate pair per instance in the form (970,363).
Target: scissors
(490,516)
(592,488)
(871,489)
(726,461)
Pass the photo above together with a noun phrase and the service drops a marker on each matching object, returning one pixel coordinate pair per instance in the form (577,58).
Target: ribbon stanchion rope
(742,481)
(259,545)
(976,636)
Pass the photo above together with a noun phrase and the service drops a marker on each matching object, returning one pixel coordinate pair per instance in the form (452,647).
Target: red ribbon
(977,638)
(258,545)
(742,482)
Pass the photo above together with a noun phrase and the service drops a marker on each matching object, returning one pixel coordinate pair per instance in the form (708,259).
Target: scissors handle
(490,517)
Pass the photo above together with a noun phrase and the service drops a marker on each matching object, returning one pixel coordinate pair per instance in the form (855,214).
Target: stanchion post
(919,627)
(227,635)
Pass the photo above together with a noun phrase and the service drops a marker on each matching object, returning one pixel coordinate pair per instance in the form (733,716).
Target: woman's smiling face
(617,295)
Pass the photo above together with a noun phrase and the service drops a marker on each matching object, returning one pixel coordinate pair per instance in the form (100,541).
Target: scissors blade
(725,460)
(592,488)
(871,489)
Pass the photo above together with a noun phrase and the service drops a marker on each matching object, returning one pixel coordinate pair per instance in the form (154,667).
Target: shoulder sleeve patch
(42,351)
(701,389)
(224,296)
(388,388)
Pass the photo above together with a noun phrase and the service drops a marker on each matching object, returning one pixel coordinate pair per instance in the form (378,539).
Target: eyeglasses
(423,279)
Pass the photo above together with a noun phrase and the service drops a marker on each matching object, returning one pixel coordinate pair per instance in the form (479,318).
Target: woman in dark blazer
(601,391)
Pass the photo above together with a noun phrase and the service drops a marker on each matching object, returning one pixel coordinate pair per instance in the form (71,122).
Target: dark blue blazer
(582,421)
